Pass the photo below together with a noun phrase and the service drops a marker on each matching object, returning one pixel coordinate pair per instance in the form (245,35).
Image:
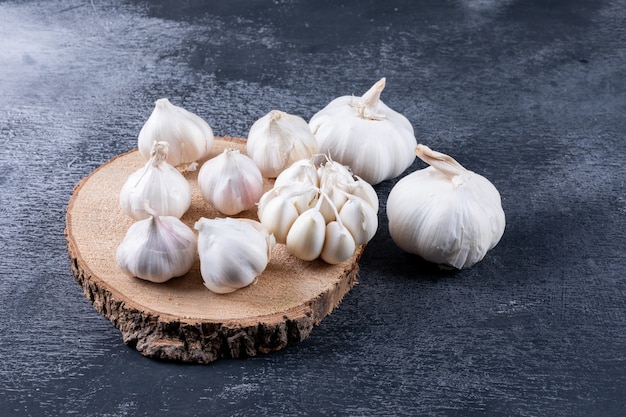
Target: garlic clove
(332,202)
(360,219)
(334,173)
(277,140)
(305,239)
(233,252)
(157,249)
(231,182)
(361,188)
(159,184)
(304,198)
(190,137)
(339,245)
(278,215)
(303,171)
(363,133)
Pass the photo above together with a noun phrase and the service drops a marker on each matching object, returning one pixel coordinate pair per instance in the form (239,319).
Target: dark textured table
(531,94)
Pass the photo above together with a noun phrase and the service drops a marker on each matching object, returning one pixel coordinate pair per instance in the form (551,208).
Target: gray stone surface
(531,94)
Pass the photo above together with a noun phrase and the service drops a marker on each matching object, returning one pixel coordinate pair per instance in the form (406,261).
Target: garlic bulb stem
(368,105)
(151,212)
(158,153)
(441,162)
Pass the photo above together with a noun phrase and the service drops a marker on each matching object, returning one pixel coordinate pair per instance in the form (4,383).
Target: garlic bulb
(363,133)
(190,137)
(231,182)
(159,184)
(233,252)
(445,213)
(319,209)
(277,140)
(157,249)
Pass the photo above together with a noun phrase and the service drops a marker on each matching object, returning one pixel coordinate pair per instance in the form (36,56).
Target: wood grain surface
(530,94)
(181,319)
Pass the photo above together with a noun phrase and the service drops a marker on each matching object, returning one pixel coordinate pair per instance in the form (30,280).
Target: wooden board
(181,319)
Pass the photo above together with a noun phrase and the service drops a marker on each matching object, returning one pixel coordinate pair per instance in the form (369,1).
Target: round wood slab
(181,319)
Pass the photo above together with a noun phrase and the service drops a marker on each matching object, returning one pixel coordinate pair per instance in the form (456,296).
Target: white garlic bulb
(277,140)
(316,210)
(157,249)
(445,213)
(233,252)
(231,181)
(190,137)
(363,133)
(159,184)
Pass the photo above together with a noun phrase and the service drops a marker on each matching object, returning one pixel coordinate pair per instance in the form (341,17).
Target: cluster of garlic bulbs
(318,208)
(444,213)
(159,246)
(322,204)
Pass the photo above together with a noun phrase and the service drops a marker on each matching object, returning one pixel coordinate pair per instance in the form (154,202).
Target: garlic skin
(190,137)
(159,184)
(233,252)
(375,141)
(445,213)
(317,211)
(279,139)
(231,181)
(157,249)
